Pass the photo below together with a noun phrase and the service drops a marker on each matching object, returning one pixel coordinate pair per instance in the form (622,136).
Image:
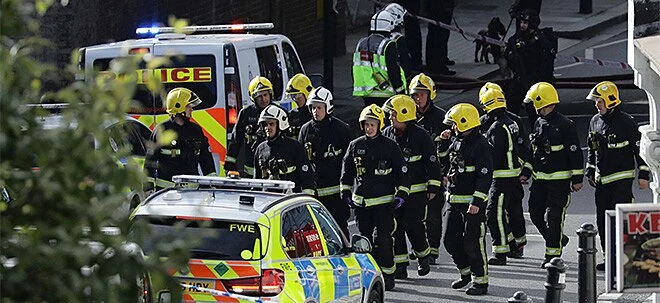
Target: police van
(217,67)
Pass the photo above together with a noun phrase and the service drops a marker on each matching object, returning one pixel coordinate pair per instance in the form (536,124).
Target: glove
(398,202)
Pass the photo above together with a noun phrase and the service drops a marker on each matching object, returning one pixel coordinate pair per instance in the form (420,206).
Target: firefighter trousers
(376,223)
(434,223)
(505,214)
(410,219)
(548,202)
(339,210)
(465,241)
(607,196)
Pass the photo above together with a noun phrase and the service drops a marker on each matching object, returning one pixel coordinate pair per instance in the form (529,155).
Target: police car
(259,242)
(217,67)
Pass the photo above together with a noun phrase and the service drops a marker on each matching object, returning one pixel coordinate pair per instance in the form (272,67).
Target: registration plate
(208,284)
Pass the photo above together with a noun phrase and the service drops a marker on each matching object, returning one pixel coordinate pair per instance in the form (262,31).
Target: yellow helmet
(372,112)
(404,106)
(489,85)
(259,84)
(465,115)
(178,98)
(492,99)
(424,83)
(542,94)
(299,84)
(607,91)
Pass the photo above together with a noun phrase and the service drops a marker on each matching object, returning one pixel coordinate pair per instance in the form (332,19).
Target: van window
(270,67)
(233,90)
(293,65)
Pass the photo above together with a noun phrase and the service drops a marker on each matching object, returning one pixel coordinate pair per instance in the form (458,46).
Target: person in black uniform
(397,35)
(298,89)
(187,149)
(326,139)
(519,6)
(375,181)
(437,38)
(425,179)
(613,142)
(413,33)
(557,168)
(280,157)
(470,173)
(247,134)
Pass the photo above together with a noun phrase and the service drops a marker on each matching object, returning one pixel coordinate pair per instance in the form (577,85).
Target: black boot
(517,253)
(600,266)
(389,281)
(498,259)
(564,240)
(423,267)
(462,282)
(401,272)
(412,256)
(433,260)
(477,289)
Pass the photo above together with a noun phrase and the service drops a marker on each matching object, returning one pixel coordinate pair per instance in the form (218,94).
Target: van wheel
(376,296)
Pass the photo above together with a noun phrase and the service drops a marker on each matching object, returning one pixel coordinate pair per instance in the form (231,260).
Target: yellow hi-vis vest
(370,78)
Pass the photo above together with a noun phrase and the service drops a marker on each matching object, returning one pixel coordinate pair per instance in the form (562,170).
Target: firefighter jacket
(505,135)
(531,56)
(376,69)
(431,121)
(614,147)
(325,143)
(420,154)
(556,149)
(283,158)
(181,155)
(375,171)
(246,132)
(470,169)
(297,117)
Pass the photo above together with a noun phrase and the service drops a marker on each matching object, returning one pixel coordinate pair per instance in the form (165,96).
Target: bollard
(520,297)
(555,284)
(586,6)
(587,263)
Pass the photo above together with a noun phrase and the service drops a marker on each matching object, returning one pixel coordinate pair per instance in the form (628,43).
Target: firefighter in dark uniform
(298,89)
(247,134)
(469,175)
(326,139)
(397,36)
(425,179)
(613,142)
(280,157)
(557,168)
(183,152)
(375,181)
(504,211)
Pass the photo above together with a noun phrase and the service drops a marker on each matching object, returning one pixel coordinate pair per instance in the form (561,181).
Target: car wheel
(376,294)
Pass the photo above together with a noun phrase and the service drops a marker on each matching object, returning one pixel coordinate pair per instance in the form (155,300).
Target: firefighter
(247,133)
(183,152)
(377,74)
(470,172)
(374,180)
(613,142)
(298,89)
(326,139)
(504,211)
(398,37)
(557,168)
(425,178)
(280,157)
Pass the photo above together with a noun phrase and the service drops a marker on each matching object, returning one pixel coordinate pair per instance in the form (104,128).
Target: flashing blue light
(147,30)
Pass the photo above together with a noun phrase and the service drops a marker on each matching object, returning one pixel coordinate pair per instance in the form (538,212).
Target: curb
(595,23)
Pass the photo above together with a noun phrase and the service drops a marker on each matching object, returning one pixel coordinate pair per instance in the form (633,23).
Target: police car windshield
(195,72)
(212,240)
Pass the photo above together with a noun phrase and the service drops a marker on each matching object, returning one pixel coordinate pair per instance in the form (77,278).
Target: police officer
(184,151)
(413,32)
(469,177)
(430,117)
(298,89)
(397,36)
(326,139)
(557,168)
(425,179)
(247,133)
(613,142)
(504,210)
(375,181)
(437,37)
(377,74)
(280,157)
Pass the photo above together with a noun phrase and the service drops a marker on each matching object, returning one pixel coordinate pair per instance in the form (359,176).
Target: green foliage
(52,247)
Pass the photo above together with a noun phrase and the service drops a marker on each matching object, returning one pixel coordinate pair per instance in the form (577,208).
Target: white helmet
(321,95)
(382,21)
(397,11)
(276,113)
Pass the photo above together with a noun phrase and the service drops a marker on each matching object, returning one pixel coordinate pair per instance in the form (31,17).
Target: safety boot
(498,259)
(564,240)
(412,256)
(462,282)
(433,261)
(389,281)
(477,289)
(401,272)
(423,266)
(517,253)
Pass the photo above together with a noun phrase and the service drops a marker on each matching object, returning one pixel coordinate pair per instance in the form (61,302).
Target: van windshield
(195,72)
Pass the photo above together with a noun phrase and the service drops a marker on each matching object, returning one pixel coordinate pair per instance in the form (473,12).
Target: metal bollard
(586,6)
(587,263)
(555,284)
(520,297)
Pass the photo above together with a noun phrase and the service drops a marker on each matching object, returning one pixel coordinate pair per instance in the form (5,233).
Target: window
(291,59)
(330,230)
(300,237)
(269,66)
(232,86)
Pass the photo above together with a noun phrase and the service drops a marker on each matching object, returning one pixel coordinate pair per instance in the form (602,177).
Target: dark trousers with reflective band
(434,223)
(377,224)
(339,210)
(505,216)
(410,219)
(465,241)
(607,196)
(548,201)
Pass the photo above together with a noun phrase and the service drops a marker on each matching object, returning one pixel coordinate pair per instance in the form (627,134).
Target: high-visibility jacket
(376,69)
(556,149)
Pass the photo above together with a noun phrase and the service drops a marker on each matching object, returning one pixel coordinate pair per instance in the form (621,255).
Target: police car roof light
(234,183)
(204,28)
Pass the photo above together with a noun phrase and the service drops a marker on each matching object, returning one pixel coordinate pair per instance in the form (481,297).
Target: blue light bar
(147,30)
